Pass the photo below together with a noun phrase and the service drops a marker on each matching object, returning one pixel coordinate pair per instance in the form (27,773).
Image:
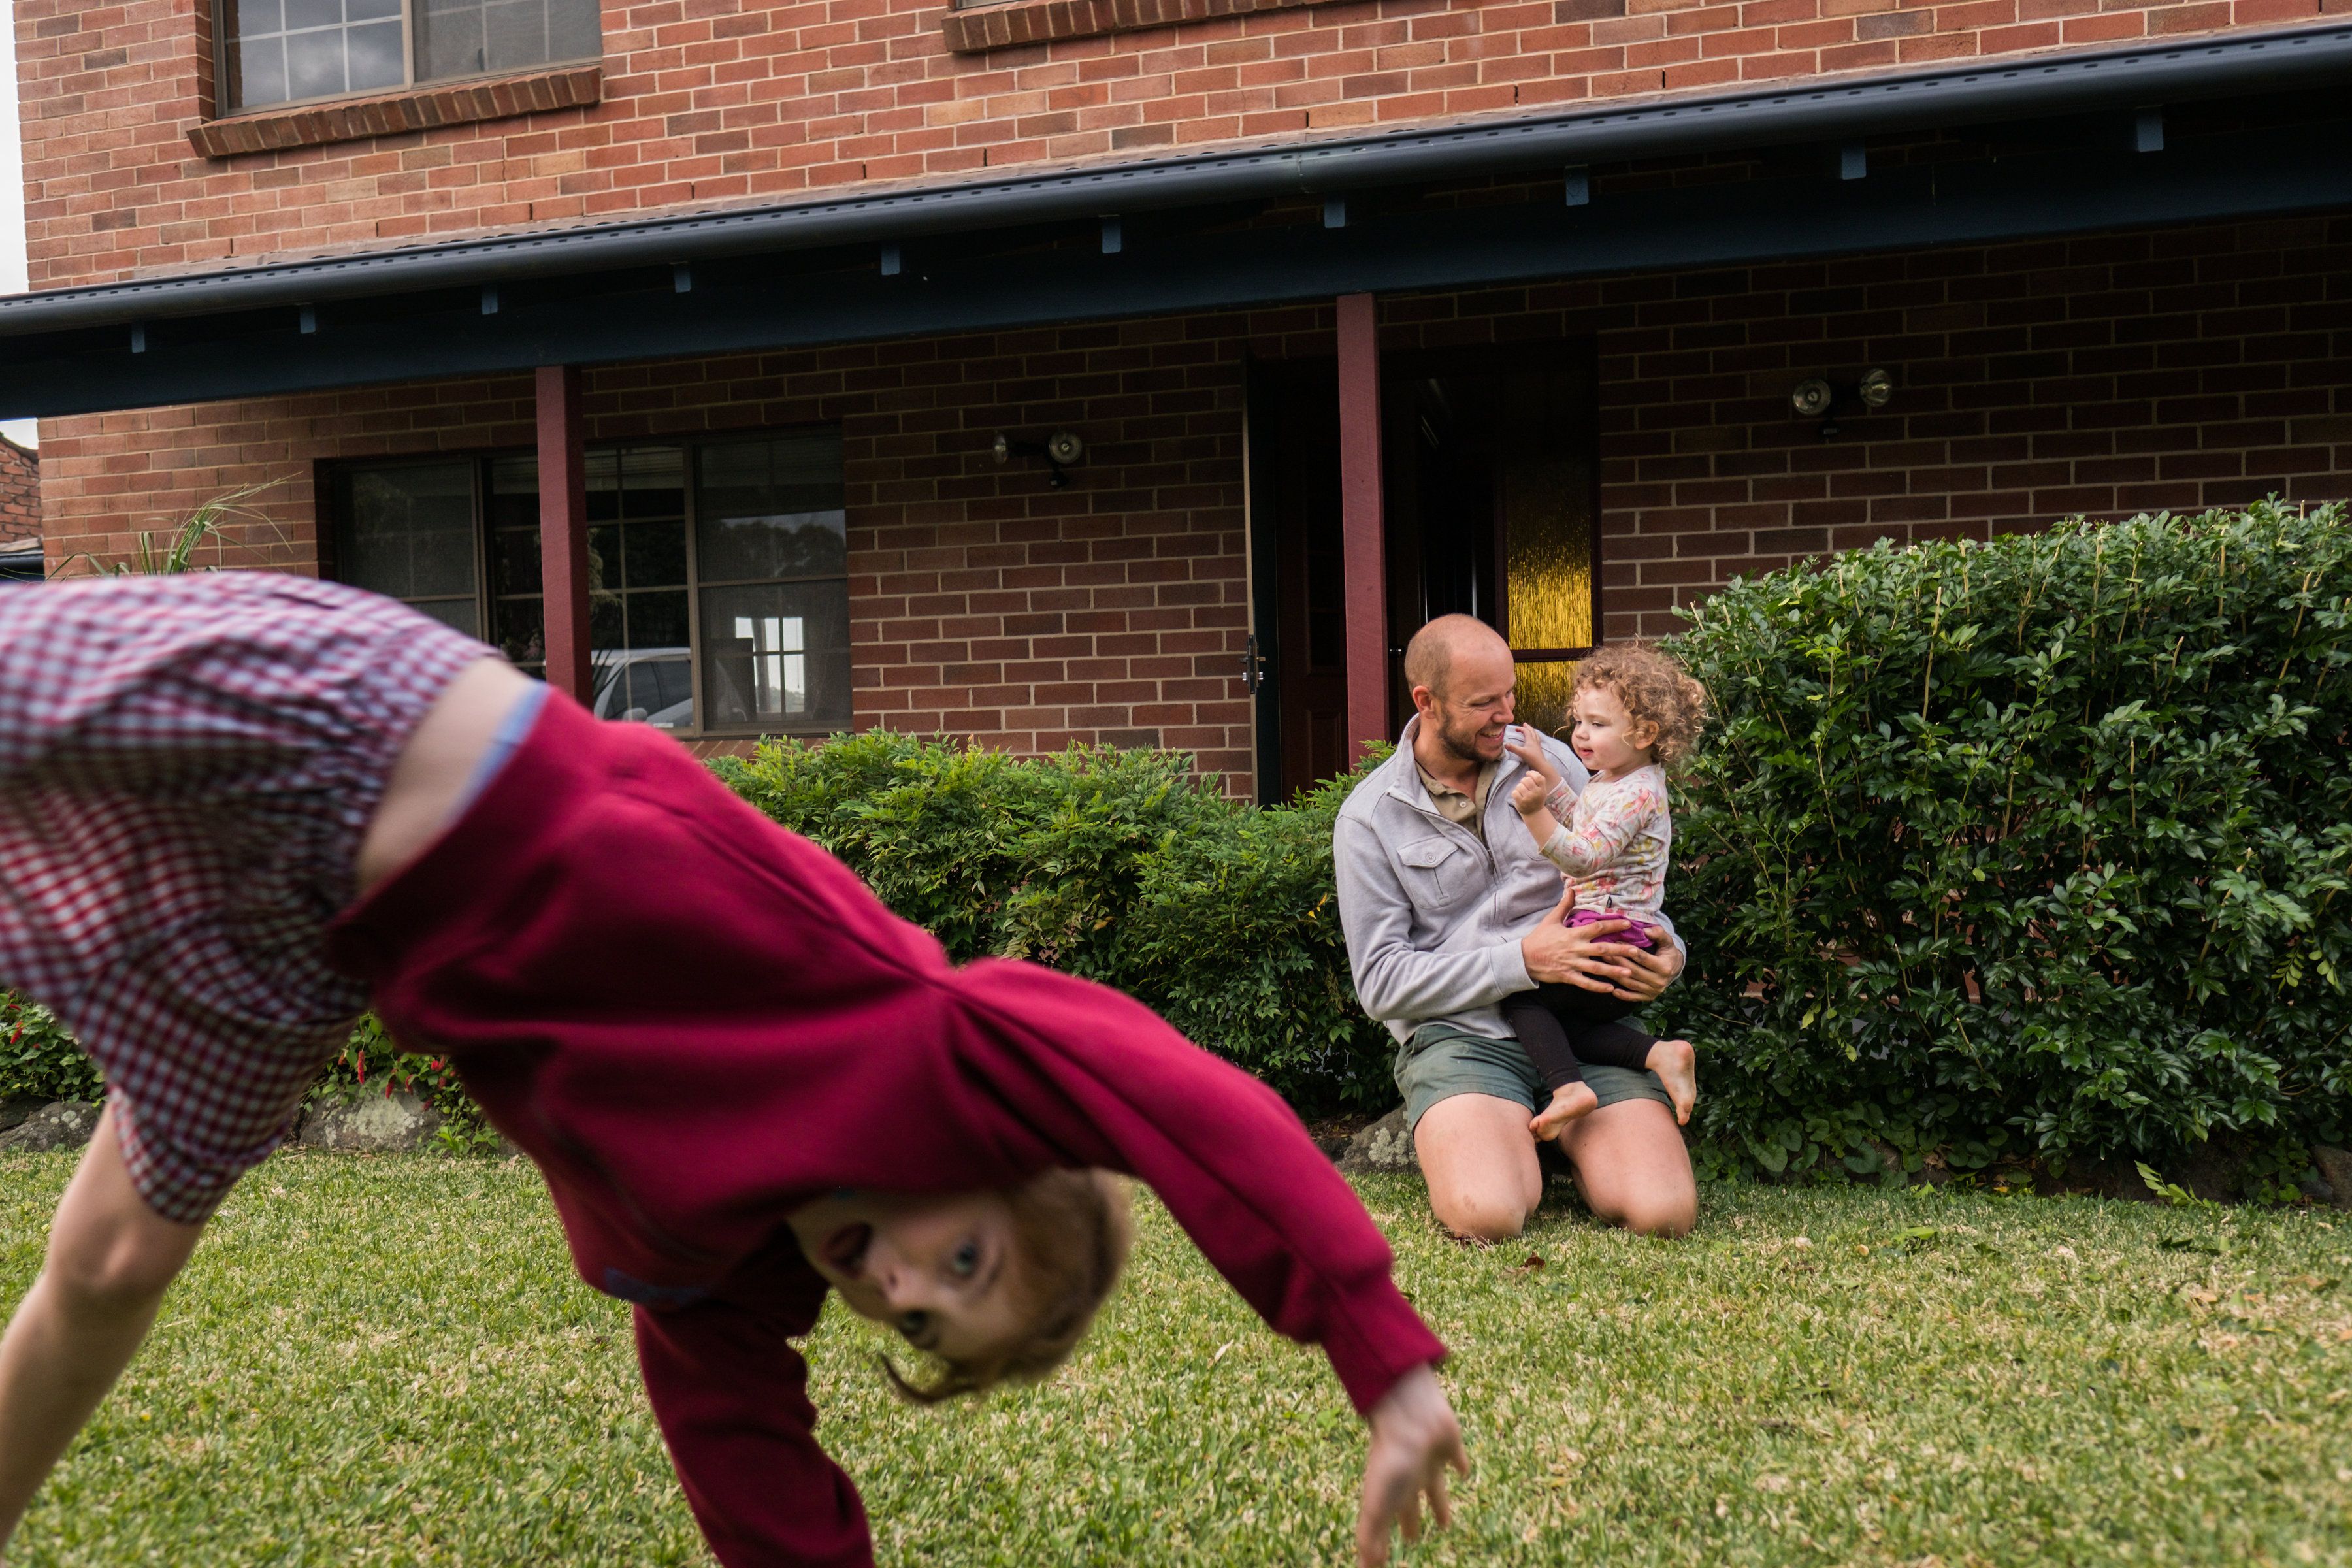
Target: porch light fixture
(1817,397)
(1061,450)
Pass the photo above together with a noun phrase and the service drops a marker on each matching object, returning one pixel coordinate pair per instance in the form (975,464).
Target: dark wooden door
(1302,628)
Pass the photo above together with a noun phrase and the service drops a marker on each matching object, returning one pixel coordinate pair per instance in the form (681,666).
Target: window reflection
(778,664)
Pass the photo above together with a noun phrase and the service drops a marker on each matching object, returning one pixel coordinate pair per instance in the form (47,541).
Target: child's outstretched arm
(111,1260)
(1092,1077)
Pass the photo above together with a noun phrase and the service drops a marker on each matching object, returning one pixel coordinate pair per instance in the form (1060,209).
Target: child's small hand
(1528,796)
(1529,750)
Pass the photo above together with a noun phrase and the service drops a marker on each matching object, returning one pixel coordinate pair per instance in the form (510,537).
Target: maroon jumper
(696,1022)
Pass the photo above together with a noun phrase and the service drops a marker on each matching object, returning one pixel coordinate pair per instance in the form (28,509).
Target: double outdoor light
(1061,450)
(1817,397)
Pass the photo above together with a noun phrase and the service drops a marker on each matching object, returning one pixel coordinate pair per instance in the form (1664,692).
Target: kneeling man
(1448,908)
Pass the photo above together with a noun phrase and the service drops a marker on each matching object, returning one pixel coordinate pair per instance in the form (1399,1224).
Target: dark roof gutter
(2146,75)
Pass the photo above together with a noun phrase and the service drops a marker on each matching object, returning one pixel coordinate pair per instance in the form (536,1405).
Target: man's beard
(1462,742)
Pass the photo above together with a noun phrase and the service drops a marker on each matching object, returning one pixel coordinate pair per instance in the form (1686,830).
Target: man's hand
(1414,1438)
(1557,952)
(1653,970)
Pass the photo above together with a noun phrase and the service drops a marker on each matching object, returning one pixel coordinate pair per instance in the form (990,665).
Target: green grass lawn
(388,1361)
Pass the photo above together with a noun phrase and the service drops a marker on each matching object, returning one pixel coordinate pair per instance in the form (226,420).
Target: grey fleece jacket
(1433,917)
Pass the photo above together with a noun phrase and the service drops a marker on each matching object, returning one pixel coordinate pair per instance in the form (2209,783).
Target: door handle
(1253,667)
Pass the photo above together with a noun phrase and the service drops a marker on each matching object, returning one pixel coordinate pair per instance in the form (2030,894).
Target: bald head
(1449,642)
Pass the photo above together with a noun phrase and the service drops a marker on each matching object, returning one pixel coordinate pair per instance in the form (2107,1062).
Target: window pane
(314,63)
(655,688)
(514,492)
(653,555)
(261,71)
(607,628)
(514,33)
(776,655)
(409,532)
(514,561)
(1547,553)
(771,508)
(520,626)
(374,57)
(448,38)
(467,37)
(313,14)
(575,30)
(657,620)
(466,614)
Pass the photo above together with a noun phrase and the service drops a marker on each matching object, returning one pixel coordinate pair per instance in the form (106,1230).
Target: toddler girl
(1634,711)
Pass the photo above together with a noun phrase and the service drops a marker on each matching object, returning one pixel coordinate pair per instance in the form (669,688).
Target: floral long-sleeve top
(1612,843)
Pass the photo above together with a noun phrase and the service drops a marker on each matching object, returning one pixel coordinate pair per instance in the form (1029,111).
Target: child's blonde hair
(1071,1232)
(1655,690)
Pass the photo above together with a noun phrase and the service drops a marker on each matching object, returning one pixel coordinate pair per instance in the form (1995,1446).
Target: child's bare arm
(111,1260)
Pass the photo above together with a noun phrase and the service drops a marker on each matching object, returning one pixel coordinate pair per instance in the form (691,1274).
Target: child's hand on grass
(1415,1438)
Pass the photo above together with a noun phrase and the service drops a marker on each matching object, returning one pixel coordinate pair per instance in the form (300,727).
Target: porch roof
(2086,146)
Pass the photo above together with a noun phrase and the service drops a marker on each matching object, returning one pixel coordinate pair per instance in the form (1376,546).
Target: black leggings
(1560,1027)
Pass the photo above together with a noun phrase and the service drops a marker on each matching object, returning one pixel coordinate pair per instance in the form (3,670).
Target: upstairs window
(297,52)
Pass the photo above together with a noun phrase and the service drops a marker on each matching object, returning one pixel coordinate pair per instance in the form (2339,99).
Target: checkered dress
(186,766)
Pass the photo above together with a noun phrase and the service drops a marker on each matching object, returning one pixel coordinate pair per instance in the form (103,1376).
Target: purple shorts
(1634,935)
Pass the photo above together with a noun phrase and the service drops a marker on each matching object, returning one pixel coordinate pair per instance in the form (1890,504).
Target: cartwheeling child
(236,809)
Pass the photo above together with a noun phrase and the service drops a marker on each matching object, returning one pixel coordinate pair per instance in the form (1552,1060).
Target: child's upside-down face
(938,1268)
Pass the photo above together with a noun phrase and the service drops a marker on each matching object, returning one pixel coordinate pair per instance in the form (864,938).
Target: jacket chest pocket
(1438,872)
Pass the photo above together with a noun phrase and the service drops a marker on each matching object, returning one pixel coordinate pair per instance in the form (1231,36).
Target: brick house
(1143,369)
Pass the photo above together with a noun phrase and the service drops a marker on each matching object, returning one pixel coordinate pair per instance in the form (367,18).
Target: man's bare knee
(1482,1220)
(1671,1223)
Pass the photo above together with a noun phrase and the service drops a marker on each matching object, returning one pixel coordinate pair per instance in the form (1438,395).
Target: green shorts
(1440,1061)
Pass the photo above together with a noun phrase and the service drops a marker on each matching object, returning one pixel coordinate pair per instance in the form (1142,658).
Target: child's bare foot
(1567,1102)
(1676,1065)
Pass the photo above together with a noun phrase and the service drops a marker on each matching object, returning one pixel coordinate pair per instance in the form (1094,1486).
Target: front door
(1490,489)
(1302,629)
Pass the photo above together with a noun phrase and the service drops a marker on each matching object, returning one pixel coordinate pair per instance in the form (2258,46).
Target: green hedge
(2034,849)
(1118,866)
(2037,849)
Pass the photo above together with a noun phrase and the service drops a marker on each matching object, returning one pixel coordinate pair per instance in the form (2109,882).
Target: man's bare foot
(1567,1103)
(1676,1065)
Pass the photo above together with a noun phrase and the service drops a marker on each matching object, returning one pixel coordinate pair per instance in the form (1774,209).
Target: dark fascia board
(1978,93)
(947,288)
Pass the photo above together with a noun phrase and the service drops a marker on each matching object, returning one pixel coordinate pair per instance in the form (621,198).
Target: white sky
(12,197)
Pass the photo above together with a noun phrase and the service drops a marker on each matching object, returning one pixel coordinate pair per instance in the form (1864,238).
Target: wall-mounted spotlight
(1817,397)
(1061,450)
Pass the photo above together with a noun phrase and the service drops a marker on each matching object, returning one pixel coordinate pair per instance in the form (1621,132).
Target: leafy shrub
(38,1060)
(2037,848)
(1122,866)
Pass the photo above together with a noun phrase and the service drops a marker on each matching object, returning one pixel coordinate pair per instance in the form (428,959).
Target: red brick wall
(720,100)
(2180,369)
(20,495)
(983,603)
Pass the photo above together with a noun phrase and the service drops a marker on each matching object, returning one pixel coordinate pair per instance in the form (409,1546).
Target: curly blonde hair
(1655,688)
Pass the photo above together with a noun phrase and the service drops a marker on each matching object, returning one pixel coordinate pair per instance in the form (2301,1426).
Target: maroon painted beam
(564,529)
(1363,572)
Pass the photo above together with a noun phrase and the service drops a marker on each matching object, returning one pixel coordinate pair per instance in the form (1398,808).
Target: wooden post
(564,529)
(1364,570)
